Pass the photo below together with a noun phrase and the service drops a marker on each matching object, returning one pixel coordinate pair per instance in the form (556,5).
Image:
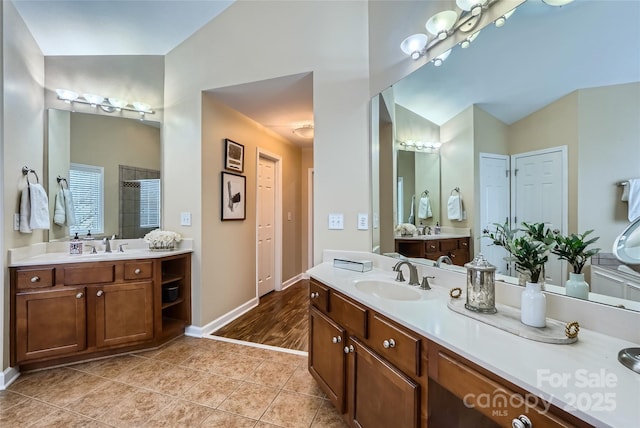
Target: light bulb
(414,44)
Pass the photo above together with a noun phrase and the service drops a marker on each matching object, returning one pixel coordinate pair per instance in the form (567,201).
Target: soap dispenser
(75,245)
(436,229)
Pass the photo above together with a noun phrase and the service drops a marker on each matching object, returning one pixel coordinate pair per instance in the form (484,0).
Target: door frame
(310,188)
(277,223)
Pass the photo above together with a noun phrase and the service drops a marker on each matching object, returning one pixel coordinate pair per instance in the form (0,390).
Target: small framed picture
(233,196)
(233,156)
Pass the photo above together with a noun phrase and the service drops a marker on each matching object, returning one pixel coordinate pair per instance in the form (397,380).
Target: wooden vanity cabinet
(456,248)
(69,312)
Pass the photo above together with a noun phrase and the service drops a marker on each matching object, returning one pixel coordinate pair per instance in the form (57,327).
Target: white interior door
(494,205)
(540,183)
(266,228)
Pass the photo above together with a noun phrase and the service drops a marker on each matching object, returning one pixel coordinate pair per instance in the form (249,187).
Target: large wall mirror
(112,167)
(547,83)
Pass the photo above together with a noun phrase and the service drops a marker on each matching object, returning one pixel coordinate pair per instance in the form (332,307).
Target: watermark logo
(500,401)
(588,390)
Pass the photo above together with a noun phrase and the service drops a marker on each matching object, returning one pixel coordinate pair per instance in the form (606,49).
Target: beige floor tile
(221,419)
(181,414)
(271,374)
(27,413)
(9,399)
(290,409)
(136,410)
(111,368)
(35,383)
(176,352)
(287,358)
(250,400)
(74,388)
(174,381)
(144,374)
(99,401)
(65,419)
(328,417)
(261,424)
(202,359)
(234,366)
(211,390)
(302,382)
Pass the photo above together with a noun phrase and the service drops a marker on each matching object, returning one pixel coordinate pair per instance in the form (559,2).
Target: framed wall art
(233,156)
(233,196)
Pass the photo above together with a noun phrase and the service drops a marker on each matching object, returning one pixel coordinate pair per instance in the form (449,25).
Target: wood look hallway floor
(281,319)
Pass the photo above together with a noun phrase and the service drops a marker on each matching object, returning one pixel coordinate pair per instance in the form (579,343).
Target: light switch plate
(363,221)
(336,221)
(185,219)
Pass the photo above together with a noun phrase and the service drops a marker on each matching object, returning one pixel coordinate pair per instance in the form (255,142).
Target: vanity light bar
(109,105)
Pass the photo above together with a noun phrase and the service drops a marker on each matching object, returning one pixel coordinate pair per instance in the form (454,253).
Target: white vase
(533,306)
(576,286)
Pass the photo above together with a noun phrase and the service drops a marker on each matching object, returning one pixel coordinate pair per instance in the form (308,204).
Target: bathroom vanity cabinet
(73,311)
(378,373)
(456,248)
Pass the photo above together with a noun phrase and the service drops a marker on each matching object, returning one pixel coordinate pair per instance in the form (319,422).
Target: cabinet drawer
(348,314)
(138,270)
(448,244)
(431,246)
(319,296)
(90,274)
(395,344)
(35,278)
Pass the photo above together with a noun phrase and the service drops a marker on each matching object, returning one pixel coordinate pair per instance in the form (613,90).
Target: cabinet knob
(99,293)
(464,244)
(137,271)
(389,343)
(315,295)
(79,295)
(521,422)
(348,349)
(35,279)
(336,339)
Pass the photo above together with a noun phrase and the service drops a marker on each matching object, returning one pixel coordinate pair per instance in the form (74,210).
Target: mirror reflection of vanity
(127,151)
(595,122)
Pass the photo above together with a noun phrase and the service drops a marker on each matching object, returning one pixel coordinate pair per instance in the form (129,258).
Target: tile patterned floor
(188,382)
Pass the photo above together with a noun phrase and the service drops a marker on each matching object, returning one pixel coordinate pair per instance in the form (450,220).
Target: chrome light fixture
(557,2)
(305,131)
(446,23)
(411,145)
(110,104)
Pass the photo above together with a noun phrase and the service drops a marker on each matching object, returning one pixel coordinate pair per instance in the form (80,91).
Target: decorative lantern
(481,291)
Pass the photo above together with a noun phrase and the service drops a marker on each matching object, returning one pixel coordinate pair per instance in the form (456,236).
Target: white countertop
(431,237)
(611,398)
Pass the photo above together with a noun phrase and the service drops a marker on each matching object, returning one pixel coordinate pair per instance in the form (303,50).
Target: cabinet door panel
(50,323)
(381,395)
(402,347)
(326,358)
(124,313)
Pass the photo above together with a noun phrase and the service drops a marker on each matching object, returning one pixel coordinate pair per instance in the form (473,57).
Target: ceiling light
(67,95)
(556,2)
(473,6)
(437,61)
(93,99)
(441,23)
(414,45)
(142,107)
(118,103)
(305,131)
(503,19)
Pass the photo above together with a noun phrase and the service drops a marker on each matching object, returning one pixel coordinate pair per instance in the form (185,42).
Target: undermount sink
(387,290)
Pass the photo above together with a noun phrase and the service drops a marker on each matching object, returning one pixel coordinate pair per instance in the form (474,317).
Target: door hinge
(515,172)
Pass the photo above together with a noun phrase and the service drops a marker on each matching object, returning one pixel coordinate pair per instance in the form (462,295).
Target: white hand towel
(70,212)
(625,192)
(59,214)
(39,218)
(25,211)
(454,208)
(424,208)
(634,198)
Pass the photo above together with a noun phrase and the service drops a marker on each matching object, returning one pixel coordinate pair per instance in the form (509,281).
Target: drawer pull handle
(348,349)
(315,295)
(99,293)
(35,279)
(336,339)
(79,295)
(521,422)
(137,271)
(389,343)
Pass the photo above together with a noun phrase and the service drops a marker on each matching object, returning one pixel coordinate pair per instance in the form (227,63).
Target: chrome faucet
(443,259)
(107,244)
(413,272)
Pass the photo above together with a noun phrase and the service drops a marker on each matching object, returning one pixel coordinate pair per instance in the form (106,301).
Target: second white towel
(634,198)
(424,208)
(454,208)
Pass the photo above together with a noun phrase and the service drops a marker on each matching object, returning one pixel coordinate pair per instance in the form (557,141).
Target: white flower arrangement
(406,229)
(162,239)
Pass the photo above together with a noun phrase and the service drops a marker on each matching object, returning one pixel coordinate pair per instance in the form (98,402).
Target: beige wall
(229,273)
(22,132)
(306,215)
(109,142)
(330,41)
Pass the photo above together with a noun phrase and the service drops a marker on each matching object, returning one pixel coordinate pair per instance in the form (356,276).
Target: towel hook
(456,189)
(26,170)
(60,180)
(425,193)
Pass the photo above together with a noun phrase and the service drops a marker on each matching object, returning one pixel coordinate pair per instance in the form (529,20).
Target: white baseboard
(258,345)
(7,377)
(289,282)
(220,322)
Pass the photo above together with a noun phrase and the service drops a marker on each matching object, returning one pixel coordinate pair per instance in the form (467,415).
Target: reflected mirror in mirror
(516,101)
(112,167)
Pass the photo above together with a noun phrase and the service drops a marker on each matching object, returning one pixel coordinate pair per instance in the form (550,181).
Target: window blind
(86,183)
(150,203)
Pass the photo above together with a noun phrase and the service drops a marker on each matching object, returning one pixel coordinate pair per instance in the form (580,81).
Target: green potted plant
(573,249)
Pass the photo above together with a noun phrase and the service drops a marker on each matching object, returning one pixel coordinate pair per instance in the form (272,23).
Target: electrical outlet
(336,221)
(16,221)
(363,221)
(185,219)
